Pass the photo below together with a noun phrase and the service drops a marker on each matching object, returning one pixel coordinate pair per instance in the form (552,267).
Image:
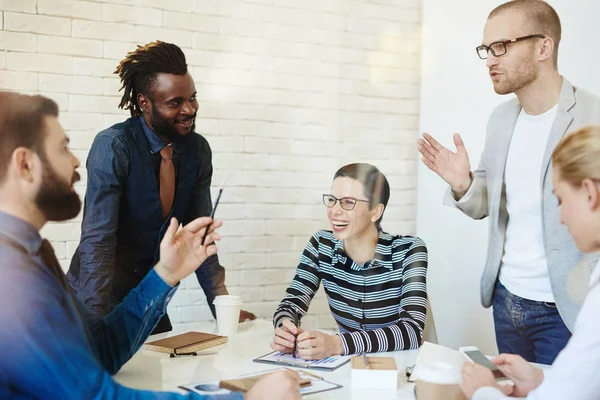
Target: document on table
(279,358)
(317,384)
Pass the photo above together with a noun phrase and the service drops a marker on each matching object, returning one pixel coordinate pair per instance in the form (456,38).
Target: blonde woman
(576,372)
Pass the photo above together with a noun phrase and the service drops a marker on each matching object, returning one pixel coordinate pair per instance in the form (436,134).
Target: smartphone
(474,354)
(212,214)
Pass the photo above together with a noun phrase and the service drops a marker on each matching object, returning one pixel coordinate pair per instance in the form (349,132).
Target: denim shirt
(51,346)
(122,220)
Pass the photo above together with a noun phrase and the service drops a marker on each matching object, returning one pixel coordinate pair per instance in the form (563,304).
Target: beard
(168,129)
(56,198)
(521,76)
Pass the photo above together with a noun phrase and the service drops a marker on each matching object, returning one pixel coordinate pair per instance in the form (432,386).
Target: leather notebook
(245,384)
(188,342)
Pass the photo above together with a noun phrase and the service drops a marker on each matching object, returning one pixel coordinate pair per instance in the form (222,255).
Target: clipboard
(327,364)
(214,387)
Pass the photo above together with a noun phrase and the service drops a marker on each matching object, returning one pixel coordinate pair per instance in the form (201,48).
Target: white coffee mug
(438,381)
(228,314)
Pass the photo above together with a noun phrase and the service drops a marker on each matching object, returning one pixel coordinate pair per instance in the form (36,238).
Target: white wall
(457,96)
(289,91)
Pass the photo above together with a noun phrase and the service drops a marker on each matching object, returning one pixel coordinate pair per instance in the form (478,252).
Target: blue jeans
(532,329)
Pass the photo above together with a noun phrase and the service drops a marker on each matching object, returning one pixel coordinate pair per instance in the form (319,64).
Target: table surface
(155,371)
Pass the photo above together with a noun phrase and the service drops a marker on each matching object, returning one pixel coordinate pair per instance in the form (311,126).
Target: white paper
(329,363)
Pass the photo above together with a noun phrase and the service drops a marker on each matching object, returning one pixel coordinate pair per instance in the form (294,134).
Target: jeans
(532,329)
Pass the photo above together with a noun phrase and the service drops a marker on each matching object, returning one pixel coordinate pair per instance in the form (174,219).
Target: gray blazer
(487,195)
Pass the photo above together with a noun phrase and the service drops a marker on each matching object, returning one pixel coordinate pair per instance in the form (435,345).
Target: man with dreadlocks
(142,172)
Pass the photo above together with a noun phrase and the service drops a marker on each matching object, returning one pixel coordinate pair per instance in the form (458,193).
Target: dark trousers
(532,329)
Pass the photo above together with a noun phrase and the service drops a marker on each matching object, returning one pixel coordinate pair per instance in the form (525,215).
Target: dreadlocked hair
(140,67)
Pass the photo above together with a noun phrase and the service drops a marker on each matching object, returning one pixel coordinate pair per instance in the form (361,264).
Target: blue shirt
(122,217)
(51,346)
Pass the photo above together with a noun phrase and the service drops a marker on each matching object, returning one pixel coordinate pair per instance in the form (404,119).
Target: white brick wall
(289,91)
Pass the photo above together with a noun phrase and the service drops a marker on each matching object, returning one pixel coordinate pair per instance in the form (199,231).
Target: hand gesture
(454,168)
(525,376)
(285,336)
(181,252)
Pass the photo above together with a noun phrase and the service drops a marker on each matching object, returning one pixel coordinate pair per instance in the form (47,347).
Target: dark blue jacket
(122,220)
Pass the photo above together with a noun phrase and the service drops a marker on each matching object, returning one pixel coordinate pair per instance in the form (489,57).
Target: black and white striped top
(378,306)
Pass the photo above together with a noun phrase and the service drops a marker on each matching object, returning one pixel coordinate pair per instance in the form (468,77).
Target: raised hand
(181,252)
(454,168)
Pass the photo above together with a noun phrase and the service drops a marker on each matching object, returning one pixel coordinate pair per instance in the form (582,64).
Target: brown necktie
(47,253)
(167,180)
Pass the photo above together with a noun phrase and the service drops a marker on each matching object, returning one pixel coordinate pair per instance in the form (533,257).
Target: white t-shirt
(524,269)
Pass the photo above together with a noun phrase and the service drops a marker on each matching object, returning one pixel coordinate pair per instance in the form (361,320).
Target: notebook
(188,342)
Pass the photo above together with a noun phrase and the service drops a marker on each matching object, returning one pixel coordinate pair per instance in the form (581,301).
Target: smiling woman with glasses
(375,282)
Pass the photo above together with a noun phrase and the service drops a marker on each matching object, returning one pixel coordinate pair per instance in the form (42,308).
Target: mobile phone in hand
(474,354)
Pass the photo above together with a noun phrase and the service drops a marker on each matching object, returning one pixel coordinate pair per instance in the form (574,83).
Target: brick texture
(289,91)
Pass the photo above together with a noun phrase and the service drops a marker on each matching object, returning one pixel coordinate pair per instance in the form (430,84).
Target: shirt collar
(21,232)
(380,258)
(154,141)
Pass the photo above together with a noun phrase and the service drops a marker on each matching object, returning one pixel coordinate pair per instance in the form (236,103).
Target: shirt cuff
(280,316)
(467,196)
(232,396)
(488,393)
(156,291)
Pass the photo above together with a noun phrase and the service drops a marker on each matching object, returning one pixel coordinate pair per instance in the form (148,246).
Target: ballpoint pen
(212,215)
(296,323)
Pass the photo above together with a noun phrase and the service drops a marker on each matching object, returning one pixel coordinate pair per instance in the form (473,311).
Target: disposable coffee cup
(438,381)
(228,314)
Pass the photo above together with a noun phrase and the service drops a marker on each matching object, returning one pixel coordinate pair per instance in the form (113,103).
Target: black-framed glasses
(347,203)
(499,48)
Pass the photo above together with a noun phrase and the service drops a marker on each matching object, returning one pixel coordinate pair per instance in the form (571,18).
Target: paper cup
(438,381)
(228,314)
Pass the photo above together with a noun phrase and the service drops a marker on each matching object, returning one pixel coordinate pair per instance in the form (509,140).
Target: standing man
(142,172)
(530,255)
(52,346)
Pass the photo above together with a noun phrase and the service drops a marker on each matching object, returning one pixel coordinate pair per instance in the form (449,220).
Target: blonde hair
(577,156)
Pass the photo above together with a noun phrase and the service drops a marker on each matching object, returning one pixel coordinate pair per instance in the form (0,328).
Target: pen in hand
(296,323)
(212,215)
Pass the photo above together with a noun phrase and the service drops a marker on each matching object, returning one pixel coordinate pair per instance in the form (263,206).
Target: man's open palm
(181,252)
(454,168)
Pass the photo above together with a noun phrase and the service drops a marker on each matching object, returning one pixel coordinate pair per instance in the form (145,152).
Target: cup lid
(228,300)
(438,372)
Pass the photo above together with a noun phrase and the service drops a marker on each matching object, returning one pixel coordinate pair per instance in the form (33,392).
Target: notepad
(186,343)
(279,358)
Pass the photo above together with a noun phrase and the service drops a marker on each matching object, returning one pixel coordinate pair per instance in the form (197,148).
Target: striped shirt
(379,305)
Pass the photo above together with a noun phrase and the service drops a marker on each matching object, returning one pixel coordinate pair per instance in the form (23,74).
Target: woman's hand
(285,336)
(525,376)
(475,376)
(315,345)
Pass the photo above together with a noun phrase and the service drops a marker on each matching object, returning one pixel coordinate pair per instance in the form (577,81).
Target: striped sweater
(378,306)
